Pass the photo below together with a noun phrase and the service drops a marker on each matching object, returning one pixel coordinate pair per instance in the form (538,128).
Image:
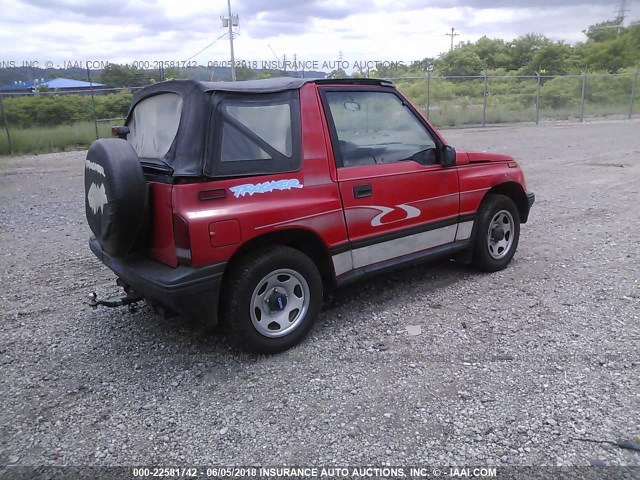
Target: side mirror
(447,156)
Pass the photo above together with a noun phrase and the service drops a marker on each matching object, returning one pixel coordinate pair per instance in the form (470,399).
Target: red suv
(247,201)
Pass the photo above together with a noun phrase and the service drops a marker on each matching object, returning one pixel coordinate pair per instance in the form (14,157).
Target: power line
(274,54)
(192,56)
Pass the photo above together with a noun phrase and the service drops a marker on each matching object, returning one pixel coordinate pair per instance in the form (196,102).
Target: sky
(57,32)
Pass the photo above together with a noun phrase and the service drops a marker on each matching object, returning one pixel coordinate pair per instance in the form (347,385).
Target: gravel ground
(507,369)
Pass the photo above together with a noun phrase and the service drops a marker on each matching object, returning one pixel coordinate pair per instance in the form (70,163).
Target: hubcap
(279,303)
(500,234)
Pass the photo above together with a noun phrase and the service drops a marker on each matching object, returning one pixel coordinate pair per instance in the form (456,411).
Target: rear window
(154,123)
(256,134)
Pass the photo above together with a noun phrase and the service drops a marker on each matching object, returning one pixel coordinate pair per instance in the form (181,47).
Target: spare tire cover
(115,195)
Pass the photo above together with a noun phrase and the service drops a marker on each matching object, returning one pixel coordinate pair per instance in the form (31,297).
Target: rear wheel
(271,299)
(496,233)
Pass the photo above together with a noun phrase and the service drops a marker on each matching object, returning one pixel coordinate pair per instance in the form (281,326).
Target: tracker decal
(266,187)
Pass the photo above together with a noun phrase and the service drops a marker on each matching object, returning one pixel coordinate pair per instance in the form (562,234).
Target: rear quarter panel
(161,246)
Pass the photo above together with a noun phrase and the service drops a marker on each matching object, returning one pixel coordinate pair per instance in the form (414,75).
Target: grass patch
(450,114)
(75,136)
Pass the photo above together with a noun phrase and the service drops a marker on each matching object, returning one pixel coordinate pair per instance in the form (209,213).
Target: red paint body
(325,206)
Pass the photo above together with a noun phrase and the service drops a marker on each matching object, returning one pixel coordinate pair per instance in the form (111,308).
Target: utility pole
(622,10)
(452,34)
(231,21)
(233,60)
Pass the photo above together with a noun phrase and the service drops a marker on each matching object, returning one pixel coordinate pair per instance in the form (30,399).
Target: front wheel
(272,298)
(496,233)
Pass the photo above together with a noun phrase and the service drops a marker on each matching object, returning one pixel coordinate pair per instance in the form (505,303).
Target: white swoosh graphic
(377,220)
(412,212)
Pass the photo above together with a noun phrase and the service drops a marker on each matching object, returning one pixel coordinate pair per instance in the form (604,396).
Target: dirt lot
(508,370)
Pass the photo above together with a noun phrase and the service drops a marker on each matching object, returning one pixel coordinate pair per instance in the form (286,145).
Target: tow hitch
(130,299)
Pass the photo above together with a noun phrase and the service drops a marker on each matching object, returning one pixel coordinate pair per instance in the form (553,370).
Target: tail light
(181,239)
(120,132)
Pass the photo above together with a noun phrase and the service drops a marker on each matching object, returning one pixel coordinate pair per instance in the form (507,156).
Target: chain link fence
(491,99)
(47,121)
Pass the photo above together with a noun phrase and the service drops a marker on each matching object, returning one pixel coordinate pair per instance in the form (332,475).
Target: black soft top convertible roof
(186,155)
(267,85)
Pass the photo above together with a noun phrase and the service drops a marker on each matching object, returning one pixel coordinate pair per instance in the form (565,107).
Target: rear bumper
(191,291)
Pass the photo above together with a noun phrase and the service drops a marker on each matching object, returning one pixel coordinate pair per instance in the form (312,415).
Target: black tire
(249,277)
(116,194)
(489,253)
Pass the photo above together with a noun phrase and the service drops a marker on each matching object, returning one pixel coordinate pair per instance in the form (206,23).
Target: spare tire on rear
(116,195)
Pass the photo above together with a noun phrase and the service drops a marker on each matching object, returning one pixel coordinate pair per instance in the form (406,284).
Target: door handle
(361,191)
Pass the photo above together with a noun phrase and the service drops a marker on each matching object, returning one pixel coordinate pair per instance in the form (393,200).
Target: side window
(255,134)
(269,123)
(154,123)
(377,127)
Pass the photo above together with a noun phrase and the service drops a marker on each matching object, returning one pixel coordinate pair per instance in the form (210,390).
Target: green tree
(461,61)
(613,51)
(524,48)
(245,73)
(492,52)
(425,65)
(176,74)
(113,105)
(115,75)
(337,73)
(552,57)
(603,31)
(270,74)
